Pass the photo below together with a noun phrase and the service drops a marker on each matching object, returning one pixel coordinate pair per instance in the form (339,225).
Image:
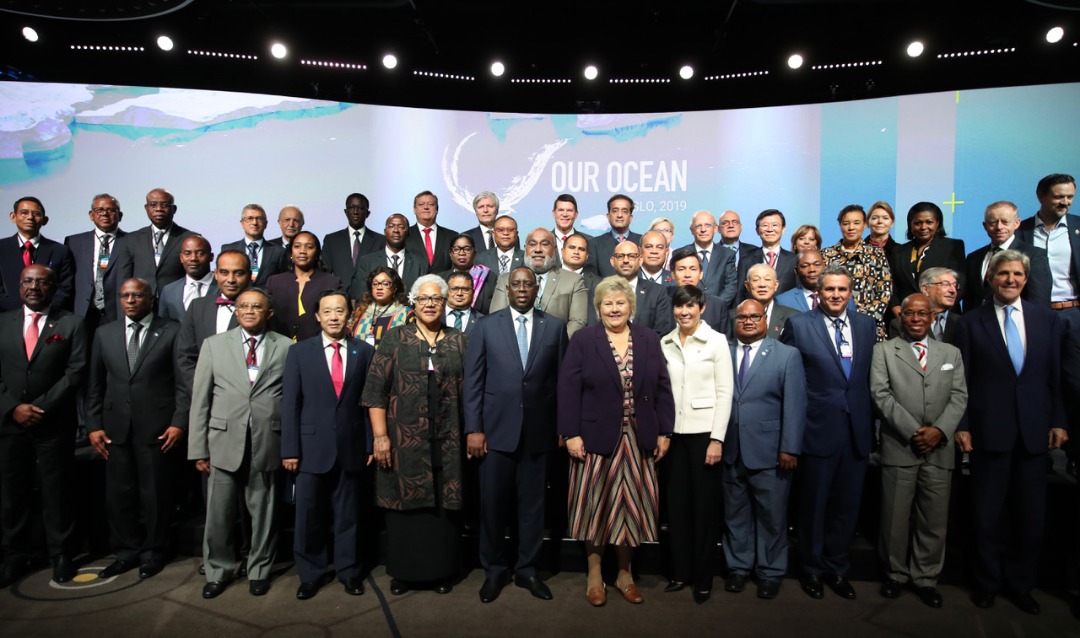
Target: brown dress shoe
(632,594)
(597,596)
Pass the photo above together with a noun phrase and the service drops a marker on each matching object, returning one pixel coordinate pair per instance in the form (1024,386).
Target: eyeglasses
(382,284)
(754,318)
(250,306)
(461,250)
(703,227)
(731,222)
(461,289)
(251,218)
(28,281)
(104,211)
(429,301)
(945,284)
(626,256)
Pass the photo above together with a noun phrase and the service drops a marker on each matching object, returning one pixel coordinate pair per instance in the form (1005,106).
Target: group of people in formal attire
(474,375)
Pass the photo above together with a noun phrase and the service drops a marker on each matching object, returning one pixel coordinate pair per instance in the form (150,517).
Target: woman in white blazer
(699,362)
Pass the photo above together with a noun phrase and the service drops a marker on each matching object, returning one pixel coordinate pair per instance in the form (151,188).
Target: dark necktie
(487,240)
(355,247)
(252,360)
(704,261)
(457,319)
(745,365)
(394,260)
(813,300)
(253,254)
(133,346)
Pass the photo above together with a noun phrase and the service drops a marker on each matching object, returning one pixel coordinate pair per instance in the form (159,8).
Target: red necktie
(772,259)
(813,297)
(27,257)
(337,370)
(921,348)
(32,334)
(427,246)
(252,360)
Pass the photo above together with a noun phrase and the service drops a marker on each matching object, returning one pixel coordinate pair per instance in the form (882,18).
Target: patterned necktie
(745,365)
(504,264)
(99,273)
(133,346)
(487,240)
(845,362)
(28,254)
(920,353)
(337,370)
(813,300)
(158,236)
(252,359)
(457,319)
(32,334)
(105,239)
(1012,341)
(523,341)
(428,247)
(540,280)
(355,247)
(394,260)
(253,254)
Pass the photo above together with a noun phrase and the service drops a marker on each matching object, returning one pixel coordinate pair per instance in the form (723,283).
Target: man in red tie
(324,442)
(770,228)
(42,363)
(28,247)
(427,240)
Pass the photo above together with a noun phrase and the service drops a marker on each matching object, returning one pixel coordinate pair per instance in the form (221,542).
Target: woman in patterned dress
(617,413)
(871,279)
(383,306)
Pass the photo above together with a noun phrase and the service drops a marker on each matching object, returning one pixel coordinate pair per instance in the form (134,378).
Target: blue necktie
(523,341)
(704,262)
(1012,341)
(744,366)
(845,362)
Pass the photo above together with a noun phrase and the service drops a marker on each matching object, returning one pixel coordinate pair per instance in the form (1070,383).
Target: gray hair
(758,268)
(930,275)
(835,269)
(414,292)
(486,195)
(105,196)
(1008,255)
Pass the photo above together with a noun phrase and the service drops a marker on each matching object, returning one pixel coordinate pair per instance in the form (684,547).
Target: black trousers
(694,493)
(23,456)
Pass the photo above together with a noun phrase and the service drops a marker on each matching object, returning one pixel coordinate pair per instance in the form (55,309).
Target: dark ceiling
(626,39)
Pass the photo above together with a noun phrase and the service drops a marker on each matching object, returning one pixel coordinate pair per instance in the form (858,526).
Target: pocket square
(947,366)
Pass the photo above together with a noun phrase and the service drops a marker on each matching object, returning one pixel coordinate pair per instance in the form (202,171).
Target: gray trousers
(219,546)
(755,510)
(914,517)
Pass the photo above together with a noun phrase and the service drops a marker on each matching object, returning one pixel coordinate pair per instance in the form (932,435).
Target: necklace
(432,344)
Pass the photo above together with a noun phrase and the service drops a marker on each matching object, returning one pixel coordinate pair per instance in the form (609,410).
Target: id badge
(370,339)
(103,261)
(253,373)
(845,350)
(254,273)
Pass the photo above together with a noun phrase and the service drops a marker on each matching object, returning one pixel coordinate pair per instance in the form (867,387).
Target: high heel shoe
(674,586)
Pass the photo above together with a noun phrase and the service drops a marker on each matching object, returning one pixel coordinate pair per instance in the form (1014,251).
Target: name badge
(370,339)
(254,273)
(845,350)
(103,261)
(253,373)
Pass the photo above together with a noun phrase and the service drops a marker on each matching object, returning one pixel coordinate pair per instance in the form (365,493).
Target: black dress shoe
(982,599)
(674,586)
(202,569)
(242,570)
(929,596)
(443,588)
(117,567)
(214,589)
(768,589)
(151,568)
(840,586)
(735,582)
(701,596)
(491,588)
(397,587)
(354,586)
(891,588)
(259,587)
(535,586)
(1026,603)
(11,573)
(63,569)
(305,590)
(811,584)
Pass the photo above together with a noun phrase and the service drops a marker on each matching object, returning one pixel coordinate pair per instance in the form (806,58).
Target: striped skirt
(614,499)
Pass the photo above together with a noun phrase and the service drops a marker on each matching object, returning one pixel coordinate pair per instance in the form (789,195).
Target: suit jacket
(134,256)
(602,247)
(721,276)
(171,298)
(285,290)
(412,269)
(225,404)
(838,408)
(944,252)
(909,398)
(564,298)
(591,390)
(317,426)
(1036,290)
(1026,233)
(84,251)
(701,381)
(134,406)
(1004,407)
(654,307)
(795,299)
(414,243)
(513,406)
(49,380)
(666,279)
(49,253)
(482,297)
(490,258)
(271,262)
(768,414)
(948,334)
(778,318)
(716,314)
(337,250)
(474,316)
(199,322)
(786,262)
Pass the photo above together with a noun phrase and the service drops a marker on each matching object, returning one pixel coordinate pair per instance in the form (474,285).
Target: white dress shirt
(1017,317)
(328,350)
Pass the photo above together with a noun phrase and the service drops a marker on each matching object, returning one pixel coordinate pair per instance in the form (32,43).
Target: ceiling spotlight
(591,72)
(278,50)
(795,61)
(497,69)
(389,61)
(30,34)
(165,43)
(686,72)
(1054,35)
(915,49)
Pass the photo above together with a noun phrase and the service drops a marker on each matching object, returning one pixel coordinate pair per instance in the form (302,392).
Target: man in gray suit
(764,440)
(561,294)
(918,385)
(235,437)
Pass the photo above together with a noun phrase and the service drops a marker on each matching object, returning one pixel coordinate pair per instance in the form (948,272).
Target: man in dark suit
(620,212)
(486,207)
(342,249)
(805,296)
(686,270)
(460,314)
(509,404)
(919,388)
(565,213)
(719,275)
(428,241)
(653,303)
(152,253)
(198,281)
(761,286)
(1058,232)
(266,258)
(759,459)
(323,442)
(1001,221)
(654,254)
(1015,416)
(28,247)
(836,345)
(91,253)
(730,227)
(770,228)
(505,255)
(291,221)
(393,255)
(941,288)
(133,422)
(42,363)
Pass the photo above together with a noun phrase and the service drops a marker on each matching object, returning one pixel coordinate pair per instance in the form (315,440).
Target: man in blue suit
(804,296)
(836,344)
(1015,416)
(620,212)
(764,440)
(323,442)
(719,275)
(511,368)
(1058,232)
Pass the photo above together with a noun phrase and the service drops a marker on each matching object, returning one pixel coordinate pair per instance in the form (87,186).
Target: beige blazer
(564,297)
(701,381)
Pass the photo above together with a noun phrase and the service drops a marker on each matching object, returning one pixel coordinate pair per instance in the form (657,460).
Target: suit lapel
(549,287)
(269,348)
(905,353)
(47,331)
(607,360)
(352,357)
(152,334)
(539,326)
(993,333)
(827,339)
(757,362)
(170,244)
(509,332)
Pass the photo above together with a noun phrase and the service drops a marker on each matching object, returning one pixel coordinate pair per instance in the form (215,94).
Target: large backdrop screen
(217,151)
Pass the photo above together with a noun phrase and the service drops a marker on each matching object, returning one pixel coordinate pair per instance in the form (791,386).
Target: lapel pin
(51,325)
